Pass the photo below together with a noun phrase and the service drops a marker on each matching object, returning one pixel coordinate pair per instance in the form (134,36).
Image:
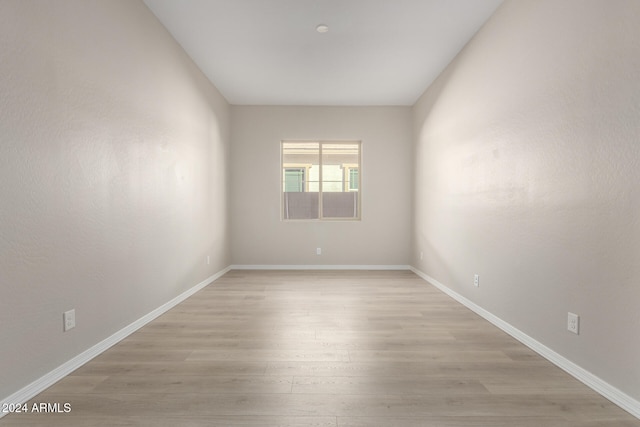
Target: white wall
(259,237)
(113,153)
(527,171)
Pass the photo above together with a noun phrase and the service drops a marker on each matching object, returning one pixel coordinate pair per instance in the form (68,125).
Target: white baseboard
(66,368)
(319,267)
(608,391)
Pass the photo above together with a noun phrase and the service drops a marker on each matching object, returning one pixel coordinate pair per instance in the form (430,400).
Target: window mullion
(320,180)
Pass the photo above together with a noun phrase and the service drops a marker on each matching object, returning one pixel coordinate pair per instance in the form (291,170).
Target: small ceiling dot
(322,28)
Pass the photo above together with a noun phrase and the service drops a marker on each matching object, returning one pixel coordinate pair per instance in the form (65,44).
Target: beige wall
(113,151)
(259,237)
(527,172)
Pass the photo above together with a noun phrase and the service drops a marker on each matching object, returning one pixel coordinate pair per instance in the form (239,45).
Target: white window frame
(320,143)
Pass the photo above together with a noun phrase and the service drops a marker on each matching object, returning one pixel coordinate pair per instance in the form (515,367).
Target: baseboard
(65,369)
(605,389)
(319,267)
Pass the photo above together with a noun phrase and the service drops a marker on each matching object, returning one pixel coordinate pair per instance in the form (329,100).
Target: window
(350,177)
(321,180)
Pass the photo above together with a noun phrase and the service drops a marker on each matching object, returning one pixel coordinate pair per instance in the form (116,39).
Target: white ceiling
(377,52)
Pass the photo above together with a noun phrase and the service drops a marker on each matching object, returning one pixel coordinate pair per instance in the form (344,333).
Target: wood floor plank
(269,355)
(441,369)
(324,349)
(186,368)
(430,421)
(184,420)
(211,384)
(386,385)
(427,355)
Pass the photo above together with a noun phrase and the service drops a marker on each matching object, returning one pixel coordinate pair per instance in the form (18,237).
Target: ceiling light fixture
(322,28)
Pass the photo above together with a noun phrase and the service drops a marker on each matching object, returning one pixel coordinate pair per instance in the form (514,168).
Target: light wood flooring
(322,348)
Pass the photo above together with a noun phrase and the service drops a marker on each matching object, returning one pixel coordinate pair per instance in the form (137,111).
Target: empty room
(339,213)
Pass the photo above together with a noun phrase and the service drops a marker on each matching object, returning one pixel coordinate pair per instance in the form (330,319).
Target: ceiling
(376,52)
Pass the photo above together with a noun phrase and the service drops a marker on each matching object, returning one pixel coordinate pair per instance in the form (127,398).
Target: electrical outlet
(208,259)
(476,280)
(573,323)
(69,319)
(421,255)
(318,251)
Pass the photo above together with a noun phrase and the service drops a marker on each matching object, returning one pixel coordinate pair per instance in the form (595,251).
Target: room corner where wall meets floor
(524,174)
(605,389)
(114,152)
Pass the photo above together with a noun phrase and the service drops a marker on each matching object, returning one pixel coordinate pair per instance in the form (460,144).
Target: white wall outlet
(476,280)
(318,251)
(208,259)
(573,323)
(69,319)
(421,255)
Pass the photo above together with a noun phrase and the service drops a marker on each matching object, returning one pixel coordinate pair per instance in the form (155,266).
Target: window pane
(302,205)
(337,161)
(301,169)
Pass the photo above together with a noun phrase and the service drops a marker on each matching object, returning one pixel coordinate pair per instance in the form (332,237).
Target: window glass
(320,180)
